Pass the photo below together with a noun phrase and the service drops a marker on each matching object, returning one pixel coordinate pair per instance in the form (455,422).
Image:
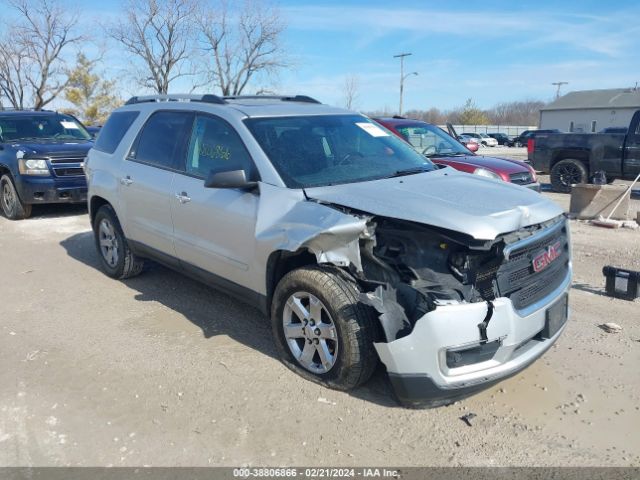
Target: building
(591,110)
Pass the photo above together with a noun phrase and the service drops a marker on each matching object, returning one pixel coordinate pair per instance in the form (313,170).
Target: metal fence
(511,130)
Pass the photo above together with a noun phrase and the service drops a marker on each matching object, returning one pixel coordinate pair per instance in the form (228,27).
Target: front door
(214,228)
(147,179)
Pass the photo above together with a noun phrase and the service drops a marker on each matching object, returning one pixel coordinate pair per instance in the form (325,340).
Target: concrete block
(591,201)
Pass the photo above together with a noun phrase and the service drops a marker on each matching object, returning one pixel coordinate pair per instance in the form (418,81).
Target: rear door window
(114,130)
(163,140)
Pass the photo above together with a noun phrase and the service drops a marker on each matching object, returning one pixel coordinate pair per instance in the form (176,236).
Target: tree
(32,66)
(91,96)
(241,47)
(351,87)
(524,112)
(161,34)
(472,115)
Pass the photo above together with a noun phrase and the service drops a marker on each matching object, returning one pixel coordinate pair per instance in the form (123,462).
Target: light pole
(559,84)
(402,77)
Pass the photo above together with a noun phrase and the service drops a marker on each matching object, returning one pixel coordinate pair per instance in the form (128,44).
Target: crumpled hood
(477,206)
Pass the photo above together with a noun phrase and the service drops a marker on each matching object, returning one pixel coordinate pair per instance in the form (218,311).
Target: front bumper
(534,186)
(34,190)
(420,365)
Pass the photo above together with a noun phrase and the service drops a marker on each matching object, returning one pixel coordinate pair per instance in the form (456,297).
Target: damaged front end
(457,313)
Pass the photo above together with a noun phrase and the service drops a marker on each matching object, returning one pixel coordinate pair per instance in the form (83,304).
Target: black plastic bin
(622,283)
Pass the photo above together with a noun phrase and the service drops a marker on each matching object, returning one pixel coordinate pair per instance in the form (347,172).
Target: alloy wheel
(310,332)
(108,243)
(8,198)
(568,174)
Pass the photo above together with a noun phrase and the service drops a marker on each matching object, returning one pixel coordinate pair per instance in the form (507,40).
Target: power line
(559,84)
(402,77)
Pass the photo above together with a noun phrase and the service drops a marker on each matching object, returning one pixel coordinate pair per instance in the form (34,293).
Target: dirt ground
(160,370)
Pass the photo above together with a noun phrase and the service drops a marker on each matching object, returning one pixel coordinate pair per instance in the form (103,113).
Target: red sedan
(443,149)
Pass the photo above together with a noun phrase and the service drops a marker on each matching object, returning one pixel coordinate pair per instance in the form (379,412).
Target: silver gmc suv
(358,248)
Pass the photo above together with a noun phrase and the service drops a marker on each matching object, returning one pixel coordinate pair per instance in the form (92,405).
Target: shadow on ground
(589,289)
(214,312)
(58,210)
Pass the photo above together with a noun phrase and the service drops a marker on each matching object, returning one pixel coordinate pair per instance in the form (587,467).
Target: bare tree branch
(160,34)
(31,62)
(242,46)
(351,87)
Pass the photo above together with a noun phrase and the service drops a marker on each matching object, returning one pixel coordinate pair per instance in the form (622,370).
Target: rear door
(631,162)
(214,228)
(147,178)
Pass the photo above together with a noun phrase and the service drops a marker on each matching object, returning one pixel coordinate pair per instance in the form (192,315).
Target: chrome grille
(67,167)
(516,277)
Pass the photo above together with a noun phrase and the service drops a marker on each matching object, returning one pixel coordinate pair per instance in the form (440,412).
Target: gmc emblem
(544,259)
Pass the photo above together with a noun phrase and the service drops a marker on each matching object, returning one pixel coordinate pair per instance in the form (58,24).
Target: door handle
(126,181)
(183,197)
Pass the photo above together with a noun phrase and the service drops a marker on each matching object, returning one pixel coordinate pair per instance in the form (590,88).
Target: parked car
(572,158)
(469,142)
(502,139)
(41,159)
(442,149)
(617,130)
(522,139)
(94,130)
(483,139)
(360,249)
(464,138)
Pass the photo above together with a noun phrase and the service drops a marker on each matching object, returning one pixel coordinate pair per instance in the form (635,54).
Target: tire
(517,144)
(348,348)
(12,206)
(116,257)
(568,172)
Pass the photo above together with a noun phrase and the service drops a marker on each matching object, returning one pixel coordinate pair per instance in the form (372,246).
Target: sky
(490,51)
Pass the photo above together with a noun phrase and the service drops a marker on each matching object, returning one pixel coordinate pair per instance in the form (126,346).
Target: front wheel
(568,172)
(321,330)
(116,257)
(12,207)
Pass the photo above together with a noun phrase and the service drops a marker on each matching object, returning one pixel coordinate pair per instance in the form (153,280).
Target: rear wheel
(568,172)
(116,257)
(12,206)
(321,330)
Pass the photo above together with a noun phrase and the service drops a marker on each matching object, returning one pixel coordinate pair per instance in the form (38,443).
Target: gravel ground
(160,370)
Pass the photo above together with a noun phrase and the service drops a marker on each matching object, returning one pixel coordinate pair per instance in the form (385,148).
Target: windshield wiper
(450,154)
(408,171)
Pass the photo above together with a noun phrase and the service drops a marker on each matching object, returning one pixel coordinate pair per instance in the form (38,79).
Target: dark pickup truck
(573,158)
(41,160)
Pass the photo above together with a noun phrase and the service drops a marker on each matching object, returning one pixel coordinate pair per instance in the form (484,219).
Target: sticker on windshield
(69,125)
(372,129)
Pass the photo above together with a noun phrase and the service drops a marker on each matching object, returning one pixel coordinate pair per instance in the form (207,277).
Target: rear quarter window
(116,127)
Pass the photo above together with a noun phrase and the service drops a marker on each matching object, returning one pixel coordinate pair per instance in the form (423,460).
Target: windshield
(41,127)
(431,141)
(320,150)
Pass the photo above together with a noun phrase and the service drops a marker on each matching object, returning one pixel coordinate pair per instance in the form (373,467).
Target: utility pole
(402,77)
(559,84)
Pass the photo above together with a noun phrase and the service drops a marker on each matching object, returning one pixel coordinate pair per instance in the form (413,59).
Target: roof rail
(207,98)
(296,98)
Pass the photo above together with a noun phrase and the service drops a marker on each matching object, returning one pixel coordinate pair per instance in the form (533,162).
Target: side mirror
(229,179)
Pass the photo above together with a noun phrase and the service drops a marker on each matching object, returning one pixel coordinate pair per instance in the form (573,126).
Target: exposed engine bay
(410,269)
